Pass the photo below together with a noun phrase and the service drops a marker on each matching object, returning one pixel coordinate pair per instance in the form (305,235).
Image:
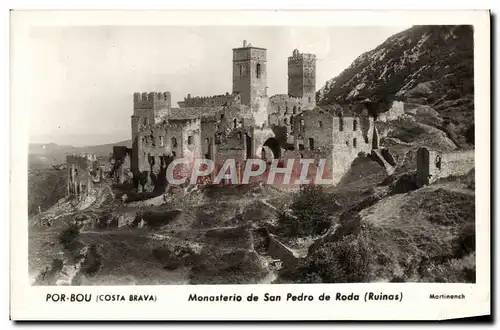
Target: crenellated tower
(302,75)
(149,109)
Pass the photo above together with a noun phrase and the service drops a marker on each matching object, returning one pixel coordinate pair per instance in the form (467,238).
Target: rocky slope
(425,65)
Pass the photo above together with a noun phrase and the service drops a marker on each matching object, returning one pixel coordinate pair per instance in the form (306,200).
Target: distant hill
(425,65)
(44,155)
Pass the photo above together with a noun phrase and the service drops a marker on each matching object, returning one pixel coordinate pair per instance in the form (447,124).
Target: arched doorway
(271,149)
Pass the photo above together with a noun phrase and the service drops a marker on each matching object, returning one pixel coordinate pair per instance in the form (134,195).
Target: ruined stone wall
(232,145)
(284,109)
(208,131)
(314,130)
(284,104)
(192,142)
(338,140)
(177,138)
(210,101)
(433,165)
(355,133)
(259,137)
(149,146)
(278,250)
(121,163)
(259,108)
(82,172)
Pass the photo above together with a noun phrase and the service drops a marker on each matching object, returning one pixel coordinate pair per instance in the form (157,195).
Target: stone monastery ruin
(245,124)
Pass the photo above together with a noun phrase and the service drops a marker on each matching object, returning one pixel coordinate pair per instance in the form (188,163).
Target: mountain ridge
(423,65)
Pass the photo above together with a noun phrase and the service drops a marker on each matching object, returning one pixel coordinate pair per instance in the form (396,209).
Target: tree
(310,212)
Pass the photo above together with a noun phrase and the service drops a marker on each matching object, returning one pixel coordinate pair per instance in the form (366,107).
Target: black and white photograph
(224,154)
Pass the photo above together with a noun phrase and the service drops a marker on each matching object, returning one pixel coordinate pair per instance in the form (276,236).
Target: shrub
(453,271)
(93,261)
(68,236)
(469,134)
(309,213)
(466,240)
(344,261)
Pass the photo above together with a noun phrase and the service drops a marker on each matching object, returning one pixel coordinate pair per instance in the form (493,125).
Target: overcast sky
(84,77)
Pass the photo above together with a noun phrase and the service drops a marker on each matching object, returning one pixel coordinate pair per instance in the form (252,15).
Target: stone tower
(302,75)
(250,73)
(149,109)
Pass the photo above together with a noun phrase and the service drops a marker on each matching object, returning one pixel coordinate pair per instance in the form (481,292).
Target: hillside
(424,65)
(45,188)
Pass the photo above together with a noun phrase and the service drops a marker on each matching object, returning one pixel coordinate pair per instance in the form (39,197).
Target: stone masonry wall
(82,170)
(433,165)
(210,101)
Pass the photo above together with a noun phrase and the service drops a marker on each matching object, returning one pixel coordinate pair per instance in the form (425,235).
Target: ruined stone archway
(271,149)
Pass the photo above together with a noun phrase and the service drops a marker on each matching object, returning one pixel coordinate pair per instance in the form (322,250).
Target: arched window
(190,140)
(241,69)
(355,142)
(354,125)
(174,142)
(285,121)
(257,69)
(235,123)
(341,124)
(207,140)
(311,144)
(222,117)
(320,124)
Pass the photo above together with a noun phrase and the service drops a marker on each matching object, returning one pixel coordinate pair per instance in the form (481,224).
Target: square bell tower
(250,73)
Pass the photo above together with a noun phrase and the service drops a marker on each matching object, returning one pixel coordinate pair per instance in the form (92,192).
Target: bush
(309,213)
(93,261)
(469,134)
(453,271)
(344,261)
(466,240)
(68,236)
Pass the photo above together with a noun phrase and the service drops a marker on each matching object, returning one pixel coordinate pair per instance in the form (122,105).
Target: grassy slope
(127,253)
(415,232)
(45,188)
